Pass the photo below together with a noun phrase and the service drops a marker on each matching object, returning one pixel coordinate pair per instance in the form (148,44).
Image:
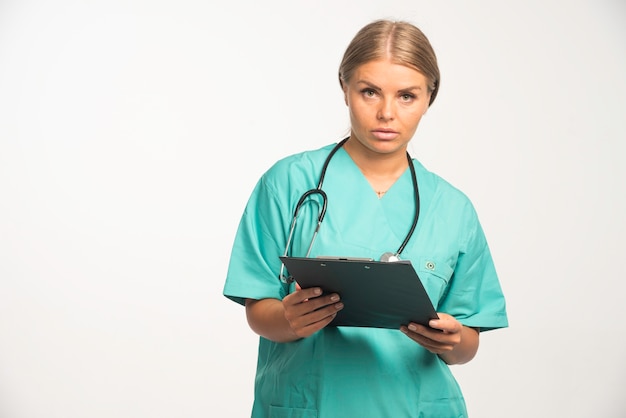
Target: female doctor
(379,199)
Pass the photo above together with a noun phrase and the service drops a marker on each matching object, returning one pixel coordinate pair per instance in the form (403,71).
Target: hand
(307,311)
(443,335)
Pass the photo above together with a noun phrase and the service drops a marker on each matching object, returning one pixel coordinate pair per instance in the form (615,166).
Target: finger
(314,321)
(435,347)
(316,309)
(312,310)
(427,331)
(448,326)
(321,313)
(446,323)
(316,326)
(437,335)
(432,335)
(420,334)
(301,295)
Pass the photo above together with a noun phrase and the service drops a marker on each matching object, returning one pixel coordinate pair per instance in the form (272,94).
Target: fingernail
(334,298)
(317,291)
(412,327)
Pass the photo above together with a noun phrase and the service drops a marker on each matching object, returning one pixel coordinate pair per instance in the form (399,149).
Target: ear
(345,92)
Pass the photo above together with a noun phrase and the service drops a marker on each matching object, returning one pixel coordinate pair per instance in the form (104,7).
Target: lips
(385,134)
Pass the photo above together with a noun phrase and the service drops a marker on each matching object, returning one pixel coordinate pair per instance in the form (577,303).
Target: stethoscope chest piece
(389,257)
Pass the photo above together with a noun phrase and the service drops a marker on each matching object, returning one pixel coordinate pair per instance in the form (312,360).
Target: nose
(386,111)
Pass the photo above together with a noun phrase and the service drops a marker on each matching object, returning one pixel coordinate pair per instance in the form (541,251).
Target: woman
(389,77)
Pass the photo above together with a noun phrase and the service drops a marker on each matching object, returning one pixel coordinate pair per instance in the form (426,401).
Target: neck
(381,170)
(375,164)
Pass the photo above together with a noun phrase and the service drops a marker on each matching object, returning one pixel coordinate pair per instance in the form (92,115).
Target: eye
(368,93)
(407,97)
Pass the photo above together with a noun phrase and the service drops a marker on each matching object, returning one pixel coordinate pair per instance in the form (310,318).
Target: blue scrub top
(362,372)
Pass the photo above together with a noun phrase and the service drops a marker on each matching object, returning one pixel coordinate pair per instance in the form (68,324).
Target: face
(386,102)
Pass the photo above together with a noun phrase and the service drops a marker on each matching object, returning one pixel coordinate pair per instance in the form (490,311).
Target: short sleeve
(474,295)
(260,239)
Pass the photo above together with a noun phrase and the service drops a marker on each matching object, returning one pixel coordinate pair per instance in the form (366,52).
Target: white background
(132,132)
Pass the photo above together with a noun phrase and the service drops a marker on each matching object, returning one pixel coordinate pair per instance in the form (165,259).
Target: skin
(386,102)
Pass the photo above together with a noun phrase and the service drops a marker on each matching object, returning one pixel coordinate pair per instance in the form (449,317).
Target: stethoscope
(387,256)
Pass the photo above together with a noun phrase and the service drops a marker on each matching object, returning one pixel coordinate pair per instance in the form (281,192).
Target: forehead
(385,73)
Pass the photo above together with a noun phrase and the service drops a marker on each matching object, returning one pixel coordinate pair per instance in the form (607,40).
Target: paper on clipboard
(375,294)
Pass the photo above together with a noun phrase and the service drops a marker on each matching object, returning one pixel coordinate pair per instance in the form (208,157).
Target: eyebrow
(375,87)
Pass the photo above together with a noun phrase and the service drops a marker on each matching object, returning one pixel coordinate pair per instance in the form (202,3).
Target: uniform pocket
(435,275)
(284,412)
(444,408)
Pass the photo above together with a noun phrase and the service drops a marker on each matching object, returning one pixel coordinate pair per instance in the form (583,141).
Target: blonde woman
(376,194)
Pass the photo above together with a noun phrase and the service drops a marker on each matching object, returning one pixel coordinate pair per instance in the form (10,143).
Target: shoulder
(439,190)
(301,168)
(444,204)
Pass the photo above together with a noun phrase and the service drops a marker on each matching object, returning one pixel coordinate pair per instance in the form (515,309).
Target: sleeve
(474,295)
(260,239)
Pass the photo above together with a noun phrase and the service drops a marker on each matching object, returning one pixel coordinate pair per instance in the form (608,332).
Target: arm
(455,343)
(299,315)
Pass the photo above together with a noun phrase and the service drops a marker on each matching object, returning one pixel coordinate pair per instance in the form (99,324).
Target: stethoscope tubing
(318,190)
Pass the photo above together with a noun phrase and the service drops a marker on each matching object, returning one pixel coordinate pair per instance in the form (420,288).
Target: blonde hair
(400,41)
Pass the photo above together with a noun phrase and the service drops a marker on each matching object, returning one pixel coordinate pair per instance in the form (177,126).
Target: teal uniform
(362,372)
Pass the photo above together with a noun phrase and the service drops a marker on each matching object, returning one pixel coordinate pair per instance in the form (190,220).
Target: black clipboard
(374,293)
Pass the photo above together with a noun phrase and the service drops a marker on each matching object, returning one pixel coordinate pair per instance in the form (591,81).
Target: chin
(377,146)
(386,147)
